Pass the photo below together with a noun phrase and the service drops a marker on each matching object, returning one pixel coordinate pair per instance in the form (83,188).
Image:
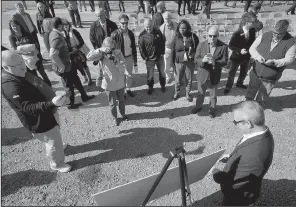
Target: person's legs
(160,68)
(264,91)
(92,5)
(80,5)
(180,70)
(179,7)
(112,103)
(42,72)
(247,5)
(122,4)
(292,8)
(167,66)
(200,96)
(52,10)
(121,104)
(253,87)
(71,13)
(231,75)
(189,70)
(87,71)
(129,67)
(188,6)
(24,4)
(244,66)
(78,20)
(53,146)
(69,87)
(213,99)
(150,75)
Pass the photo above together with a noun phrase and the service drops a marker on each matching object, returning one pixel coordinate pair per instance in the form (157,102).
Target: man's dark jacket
(151,45)
(243,174)
(32,108)
(117,35)
(97,35)
(238,41)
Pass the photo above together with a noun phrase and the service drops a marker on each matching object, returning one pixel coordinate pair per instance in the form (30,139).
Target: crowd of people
(162,43)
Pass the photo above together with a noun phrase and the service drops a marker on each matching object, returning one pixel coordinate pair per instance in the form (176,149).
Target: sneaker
(176,96)
(149,91)
(130,93)
(87,98)
(195,110)
(65,145)
(241,86)
(74,106)
(63,168)
(226,91)
(162,89)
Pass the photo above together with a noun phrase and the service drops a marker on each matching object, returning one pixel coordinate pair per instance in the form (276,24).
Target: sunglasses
(213,36)
(237,122)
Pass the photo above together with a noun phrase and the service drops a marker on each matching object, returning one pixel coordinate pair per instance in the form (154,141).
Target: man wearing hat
(272,52)
(35,104)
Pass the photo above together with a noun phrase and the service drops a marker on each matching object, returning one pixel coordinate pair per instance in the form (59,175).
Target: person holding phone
(211,55)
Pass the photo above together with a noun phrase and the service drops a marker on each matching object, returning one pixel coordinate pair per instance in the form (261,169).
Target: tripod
(179,153)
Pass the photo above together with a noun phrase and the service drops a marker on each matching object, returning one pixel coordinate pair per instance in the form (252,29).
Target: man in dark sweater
(157,18)
(240,43)
(246,166)
(272,51)
(35,104)
(152,48)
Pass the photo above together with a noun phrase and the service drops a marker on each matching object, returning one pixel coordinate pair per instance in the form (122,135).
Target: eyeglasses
(213,36)
(237,122)
(124,23)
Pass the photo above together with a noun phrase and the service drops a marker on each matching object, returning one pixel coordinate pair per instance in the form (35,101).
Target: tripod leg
(186,178)
(163,171)
(182,182)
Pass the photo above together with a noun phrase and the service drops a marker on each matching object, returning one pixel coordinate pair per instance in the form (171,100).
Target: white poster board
(134,193)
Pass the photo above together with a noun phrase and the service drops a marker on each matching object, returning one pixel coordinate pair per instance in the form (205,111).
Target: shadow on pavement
(11,183)
(13,136)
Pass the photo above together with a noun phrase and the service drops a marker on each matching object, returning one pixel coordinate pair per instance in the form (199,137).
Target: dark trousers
(141,5)
(150,72)
(120,4)
(259,89)
(181,69)
(52,10)
(292,8)
(73,14)
(186,2)
(92,5)
(35,37)
(41,70)
(113,96)
(24,4)
(244,66)
(72,80)
(247,5)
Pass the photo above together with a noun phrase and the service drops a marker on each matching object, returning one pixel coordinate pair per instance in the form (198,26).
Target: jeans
(71,80)
(112,97)
(259,89)
(92,5)
(80,4)
(129,61)
(168,63)
(202,93)
(141,5)
(244,66)
(150,64)
(120,4)
(77,15)
(53,145)
(186,68)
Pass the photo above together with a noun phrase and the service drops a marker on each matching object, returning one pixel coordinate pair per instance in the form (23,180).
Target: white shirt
(127,44)
(28,22)
(287,60)
(248,136)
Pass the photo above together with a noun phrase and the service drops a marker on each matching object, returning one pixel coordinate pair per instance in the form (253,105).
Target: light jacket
(113,70)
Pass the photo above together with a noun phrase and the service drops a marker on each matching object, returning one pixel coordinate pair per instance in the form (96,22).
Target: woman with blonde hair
(47,28)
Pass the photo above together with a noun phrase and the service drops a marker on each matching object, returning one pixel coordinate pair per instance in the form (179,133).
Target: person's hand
(59,100)
(269,62)
(243,51)
(205,59)
(261,59)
